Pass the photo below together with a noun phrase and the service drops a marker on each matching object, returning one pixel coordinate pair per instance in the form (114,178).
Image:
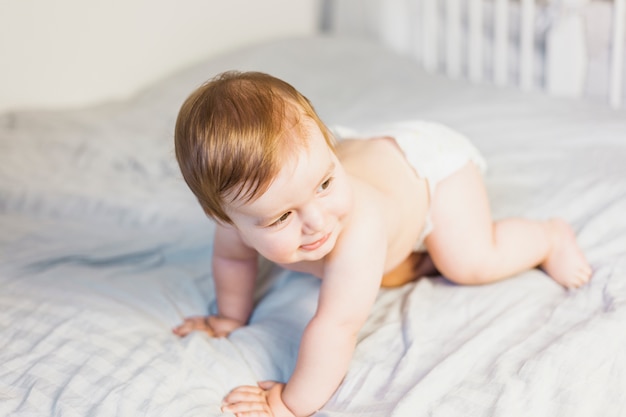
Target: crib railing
(617,58)
(454,36)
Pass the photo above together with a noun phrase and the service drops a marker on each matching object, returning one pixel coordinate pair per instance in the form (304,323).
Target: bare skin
(352,219)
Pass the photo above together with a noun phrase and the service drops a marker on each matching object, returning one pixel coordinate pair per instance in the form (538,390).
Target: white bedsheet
(103,250)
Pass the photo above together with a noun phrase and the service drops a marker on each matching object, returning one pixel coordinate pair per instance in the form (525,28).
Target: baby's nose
(313,220)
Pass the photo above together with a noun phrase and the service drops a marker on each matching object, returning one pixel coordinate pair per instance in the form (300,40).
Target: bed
(103,250)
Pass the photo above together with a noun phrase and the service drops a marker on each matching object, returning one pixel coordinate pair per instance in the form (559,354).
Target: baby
(353,213)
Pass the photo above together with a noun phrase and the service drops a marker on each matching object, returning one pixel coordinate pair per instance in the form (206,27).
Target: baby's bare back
(380,163)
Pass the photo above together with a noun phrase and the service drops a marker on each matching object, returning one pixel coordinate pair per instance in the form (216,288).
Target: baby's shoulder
(370,156)
(370,211)
(382,164)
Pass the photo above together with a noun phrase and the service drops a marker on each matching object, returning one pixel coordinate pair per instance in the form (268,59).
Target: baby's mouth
(316,244)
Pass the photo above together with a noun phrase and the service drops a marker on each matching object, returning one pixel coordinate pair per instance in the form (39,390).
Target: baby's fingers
(246,409)
(266,385)
(246,394)
(191,324)
(247,401)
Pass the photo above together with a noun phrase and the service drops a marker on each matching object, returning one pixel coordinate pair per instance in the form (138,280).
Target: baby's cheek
(281,249)
(344,203)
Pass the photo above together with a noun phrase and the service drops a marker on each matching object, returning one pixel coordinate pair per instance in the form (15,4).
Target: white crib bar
(455,58)
(453,38)
(475,57)
(501,29)
(430,36)
(527,39)
(617,57)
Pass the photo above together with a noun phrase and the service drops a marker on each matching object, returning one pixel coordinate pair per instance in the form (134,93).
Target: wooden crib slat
(453,38)
(430,38)
(501,29)
(475,56)
(617,53)
(527,39)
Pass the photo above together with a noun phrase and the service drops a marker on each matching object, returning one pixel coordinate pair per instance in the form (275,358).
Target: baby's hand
(264,400)
(214,326)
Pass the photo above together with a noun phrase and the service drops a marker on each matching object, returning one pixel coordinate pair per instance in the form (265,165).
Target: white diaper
(433,150)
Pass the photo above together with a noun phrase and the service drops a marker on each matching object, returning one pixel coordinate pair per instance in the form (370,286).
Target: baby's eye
(325,184)
(282,219)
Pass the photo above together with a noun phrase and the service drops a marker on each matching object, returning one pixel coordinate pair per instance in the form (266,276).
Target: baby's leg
(468,247)
(415,266)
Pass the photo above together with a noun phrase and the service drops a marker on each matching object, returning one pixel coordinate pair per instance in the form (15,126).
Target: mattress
(103,250)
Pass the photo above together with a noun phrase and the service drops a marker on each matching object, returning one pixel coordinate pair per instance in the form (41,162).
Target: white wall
(69,53)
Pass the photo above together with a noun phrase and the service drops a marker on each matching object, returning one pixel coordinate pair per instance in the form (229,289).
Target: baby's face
(302,213)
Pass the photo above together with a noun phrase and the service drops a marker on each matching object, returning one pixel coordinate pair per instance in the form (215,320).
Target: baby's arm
(328,342)
(234,275)
(349,288)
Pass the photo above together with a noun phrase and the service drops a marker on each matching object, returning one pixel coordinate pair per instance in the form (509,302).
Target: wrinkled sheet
(103,250)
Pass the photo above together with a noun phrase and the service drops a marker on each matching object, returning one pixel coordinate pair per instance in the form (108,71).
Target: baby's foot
(565,263)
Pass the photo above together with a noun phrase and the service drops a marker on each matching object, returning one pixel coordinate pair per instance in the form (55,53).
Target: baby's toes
(585,274)
(574,284)
(579,279)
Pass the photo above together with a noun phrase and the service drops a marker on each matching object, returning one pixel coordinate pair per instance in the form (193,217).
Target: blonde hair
(231,136)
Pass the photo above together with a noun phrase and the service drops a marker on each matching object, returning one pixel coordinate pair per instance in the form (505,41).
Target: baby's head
(234,133)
